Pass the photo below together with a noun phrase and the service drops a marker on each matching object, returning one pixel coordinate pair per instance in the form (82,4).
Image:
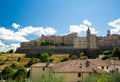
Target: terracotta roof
(113,62)
(98,62)
(72,66)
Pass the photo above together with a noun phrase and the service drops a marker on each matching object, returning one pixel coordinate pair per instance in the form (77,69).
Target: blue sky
(24,20)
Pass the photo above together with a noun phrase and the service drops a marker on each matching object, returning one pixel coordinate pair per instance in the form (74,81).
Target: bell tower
(88,38)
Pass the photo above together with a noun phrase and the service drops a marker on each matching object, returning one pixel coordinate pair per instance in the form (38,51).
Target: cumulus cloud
(86,22)
(9,35)
(116,26)
(83,27)
(15,25)
(15,37)
(50,31)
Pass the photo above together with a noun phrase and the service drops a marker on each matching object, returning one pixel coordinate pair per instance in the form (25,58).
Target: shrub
(8,73)
(74,57)
(32,61)
(44,57)
(14,64)
(2,62)
(21,74)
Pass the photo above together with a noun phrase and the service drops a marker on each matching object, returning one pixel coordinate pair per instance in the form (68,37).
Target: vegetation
(107,52)
(83,55)
(20,75)
(43,42)
(14,64)
(114,77)
(2,62)
(8,73)
(48,78)
(116,52)
(44,57)
(32,61)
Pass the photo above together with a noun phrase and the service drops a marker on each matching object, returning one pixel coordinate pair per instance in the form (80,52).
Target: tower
(88,38)
(108,33)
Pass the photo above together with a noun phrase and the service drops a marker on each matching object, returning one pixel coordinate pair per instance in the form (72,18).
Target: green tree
(82,54)
(116,52)
(8,73)
(107,52)
(44,57)
(10,51)
(32,61)
(21,74)
(14,64)
(74,57)
(43,42)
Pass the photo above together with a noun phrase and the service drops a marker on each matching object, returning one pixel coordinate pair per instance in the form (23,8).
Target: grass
(10,58)
(59,57)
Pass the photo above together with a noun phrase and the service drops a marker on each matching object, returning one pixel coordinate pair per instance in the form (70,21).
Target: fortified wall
(70,44)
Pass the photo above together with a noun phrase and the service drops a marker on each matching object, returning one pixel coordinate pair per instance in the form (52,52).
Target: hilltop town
(70,44)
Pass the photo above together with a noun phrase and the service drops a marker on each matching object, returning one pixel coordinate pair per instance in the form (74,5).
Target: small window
(43,69)
(102,67)
(107,67)
(78,81)
(79,74)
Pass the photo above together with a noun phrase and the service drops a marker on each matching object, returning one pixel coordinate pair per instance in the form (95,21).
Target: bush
(64,59)
(14,64)
(74,57)
(44,57)
(107,52)
(32,61)
(8,73)
(21,74)
(2,62)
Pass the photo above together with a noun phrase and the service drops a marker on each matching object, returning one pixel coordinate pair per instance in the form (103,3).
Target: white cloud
(15,37)
(116,26)
(82,27)
(1,44)
(50,31)
(9,35)
(15,25)
(86,22)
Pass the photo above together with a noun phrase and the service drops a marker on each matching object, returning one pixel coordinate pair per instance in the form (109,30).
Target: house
(36,70)
(74,70)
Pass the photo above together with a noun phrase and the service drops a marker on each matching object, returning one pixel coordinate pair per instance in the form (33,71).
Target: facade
(74,70)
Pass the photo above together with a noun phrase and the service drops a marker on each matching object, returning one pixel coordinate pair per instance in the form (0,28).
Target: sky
(25,20)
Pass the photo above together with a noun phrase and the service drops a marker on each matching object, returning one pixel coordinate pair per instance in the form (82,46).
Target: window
(107,67)
(43,69)
(78,81)
(102,67)
(79,74)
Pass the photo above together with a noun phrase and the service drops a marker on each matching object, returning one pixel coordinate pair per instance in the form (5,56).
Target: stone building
(74,70)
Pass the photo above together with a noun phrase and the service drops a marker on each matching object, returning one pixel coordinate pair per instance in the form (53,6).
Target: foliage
(107,52)
(8,73)
(2,62)
(116,52)
(64,59)
(82,54)
(10,51)
(20,75)
(48,78)
(44,57)
(43,42)
(14,64)
(115,77)
(74,57)
(32,61)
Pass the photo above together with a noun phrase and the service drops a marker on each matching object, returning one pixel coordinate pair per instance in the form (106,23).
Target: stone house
(74,70)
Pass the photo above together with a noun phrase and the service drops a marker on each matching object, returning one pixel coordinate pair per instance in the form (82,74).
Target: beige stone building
(74,70)
(80,42)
